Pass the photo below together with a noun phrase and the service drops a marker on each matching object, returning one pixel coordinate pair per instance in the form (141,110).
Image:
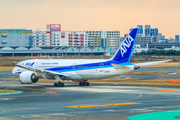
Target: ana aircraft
(80,70)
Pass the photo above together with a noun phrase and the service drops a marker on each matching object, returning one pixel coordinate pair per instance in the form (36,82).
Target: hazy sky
(92,14)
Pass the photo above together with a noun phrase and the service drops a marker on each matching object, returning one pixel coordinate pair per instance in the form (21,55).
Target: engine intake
(28,77)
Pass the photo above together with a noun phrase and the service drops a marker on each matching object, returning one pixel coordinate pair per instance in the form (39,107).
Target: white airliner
(80,70)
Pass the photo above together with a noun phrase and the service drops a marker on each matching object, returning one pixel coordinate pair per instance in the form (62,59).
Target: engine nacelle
(28,77)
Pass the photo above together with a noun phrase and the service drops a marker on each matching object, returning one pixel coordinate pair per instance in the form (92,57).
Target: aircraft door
(36,65)
(101,67)
(74,67)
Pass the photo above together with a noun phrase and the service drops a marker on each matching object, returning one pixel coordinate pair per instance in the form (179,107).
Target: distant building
(138,49)
(125,35)
(15,37)
(176,38)
(121,40)
(161,37)
(144,41)
(155,39)
(63,38)
(151,32)
(163,41)
(140,31)
(171,40)
(41,39)
(112,42)
(53,28)
(138,38)
(103,38)
(147,26)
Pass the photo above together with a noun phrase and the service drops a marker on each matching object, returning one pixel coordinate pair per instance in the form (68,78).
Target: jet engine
(28,77)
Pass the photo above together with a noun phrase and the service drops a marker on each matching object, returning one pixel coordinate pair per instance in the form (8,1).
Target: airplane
(80,70)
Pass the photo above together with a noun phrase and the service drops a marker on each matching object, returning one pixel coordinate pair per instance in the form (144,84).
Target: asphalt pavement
(95,102)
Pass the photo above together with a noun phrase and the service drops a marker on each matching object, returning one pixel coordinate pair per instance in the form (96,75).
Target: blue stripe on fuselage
(87,66)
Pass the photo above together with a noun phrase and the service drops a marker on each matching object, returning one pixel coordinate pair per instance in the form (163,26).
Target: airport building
(54,37)
(62,38)
(55,51)
(103,38)
(15,37)
(41,39)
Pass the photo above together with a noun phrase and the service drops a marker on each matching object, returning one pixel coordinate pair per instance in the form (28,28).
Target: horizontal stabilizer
(152,63)
(117,66)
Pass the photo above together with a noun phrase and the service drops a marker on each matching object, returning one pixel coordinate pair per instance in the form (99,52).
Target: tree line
(159,53)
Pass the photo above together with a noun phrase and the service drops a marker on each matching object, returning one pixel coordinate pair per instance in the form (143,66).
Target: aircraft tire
(87,84)
(59,84)
(62,85)
(80,84)
(55,84)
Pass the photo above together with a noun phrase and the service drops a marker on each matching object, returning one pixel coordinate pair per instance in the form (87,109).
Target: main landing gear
(58,83)
(84,83)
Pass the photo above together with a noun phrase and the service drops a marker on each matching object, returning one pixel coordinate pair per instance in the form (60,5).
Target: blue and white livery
(80,70)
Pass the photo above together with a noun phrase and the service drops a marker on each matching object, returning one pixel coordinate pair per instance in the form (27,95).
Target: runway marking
(102,105)
(93,89)
(167,90)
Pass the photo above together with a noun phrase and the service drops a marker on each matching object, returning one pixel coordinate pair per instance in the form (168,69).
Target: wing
(40,70)
(50,72)
(151,63)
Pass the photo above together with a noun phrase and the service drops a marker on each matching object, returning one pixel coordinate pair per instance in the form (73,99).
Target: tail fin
(125,50)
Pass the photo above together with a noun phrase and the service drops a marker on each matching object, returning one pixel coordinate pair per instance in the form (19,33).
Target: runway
(95,102)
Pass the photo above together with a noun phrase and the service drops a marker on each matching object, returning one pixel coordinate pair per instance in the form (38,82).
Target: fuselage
(76,69)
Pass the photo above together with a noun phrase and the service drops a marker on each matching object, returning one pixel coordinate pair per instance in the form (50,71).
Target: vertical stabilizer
(125,50)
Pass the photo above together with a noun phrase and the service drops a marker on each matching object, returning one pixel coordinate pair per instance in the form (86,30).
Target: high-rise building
(140,31)
(151,32)
(15,37)
(176,38)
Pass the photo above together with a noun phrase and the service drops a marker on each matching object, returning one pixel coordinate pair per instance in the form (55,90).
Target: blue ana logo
(29,64)
(126,44)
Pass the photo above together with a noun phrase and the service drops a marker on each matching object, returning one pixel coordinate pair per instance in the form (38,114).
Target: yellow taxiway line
(102,105)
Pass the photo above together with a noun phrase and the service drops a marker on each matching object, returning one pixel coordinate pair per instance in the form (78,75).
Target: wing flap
(51,72)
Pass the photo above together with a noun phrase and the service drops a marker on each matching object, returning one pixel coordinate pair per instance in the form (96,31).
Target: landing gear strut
(84,83)
(58,83)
